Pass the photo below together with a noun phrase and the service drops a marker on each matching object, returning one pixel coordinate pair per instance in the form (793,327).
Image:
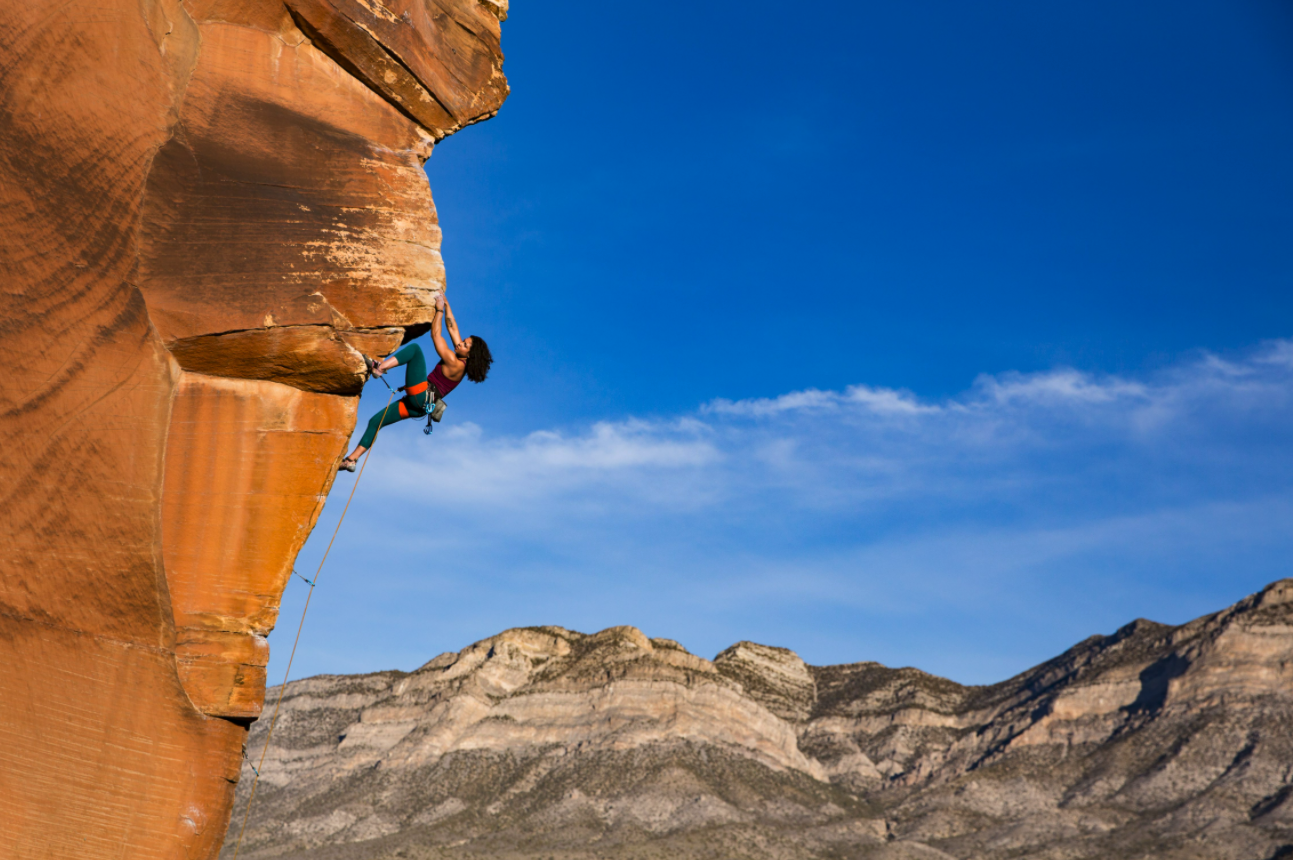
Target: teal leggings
(416,405)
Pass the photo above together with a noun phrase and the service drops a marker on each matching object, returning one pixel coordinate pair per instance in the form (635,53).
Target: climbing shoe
(372,367)
(346,466)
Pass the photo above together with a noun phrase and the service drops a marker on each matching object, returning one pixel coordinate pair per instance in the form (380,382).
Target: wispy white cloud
(1278,352)
(516,471)
(881,401)
(1055,387)
(1053,505)
(1006,437)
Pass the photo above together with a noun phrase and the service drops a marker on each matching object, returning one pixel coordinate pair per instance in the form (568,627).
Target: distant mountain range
(1154,742)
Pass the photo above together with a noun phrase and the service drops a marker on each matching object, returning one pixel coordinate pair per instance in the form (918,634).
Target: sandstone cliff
(208,209)
(1156,741)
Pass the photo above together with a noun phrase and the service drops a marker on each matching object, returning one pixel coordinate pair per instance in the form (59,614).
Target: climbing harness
(437,406)
(273,720)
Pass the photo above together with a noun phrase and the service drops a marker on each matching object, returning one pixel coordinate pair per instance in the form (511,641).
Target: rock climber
(467,357)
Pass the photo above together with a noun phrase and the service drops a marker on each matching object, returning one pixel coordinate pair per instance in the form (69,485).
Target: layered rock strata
(1156,741)
(208,210)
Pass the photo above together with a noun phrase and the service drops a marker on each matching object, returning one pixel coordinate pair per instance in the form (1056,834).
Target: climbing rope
(283,687)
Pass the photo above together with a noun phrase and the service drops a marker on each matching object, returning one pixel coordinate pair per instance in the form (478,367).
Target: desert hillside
(1155,741)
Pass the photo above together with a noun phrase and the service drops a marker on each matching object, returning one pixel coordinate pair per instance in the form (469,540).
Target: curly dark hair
(478,359)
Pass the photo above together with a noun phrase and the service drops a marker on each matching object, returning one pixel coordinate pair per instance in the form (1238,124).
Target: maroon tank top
(442,383)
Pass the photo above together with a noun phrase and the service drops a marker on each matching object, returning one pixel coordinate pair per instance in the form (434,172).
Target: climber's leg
(411,354)
(385,418)
(414,406)
(396,411)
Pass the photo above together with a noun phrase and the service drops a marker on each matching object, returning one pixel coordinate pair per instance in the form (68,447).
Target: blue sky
(933,335)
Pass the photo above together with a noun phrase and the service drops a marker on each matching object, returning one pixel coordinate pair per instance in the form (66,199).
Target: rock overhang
(438,63)
(257,218)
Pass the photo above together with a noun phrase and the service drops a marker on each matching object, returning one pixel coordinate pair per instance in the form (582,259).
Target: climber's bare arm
(451,323)
(451,361)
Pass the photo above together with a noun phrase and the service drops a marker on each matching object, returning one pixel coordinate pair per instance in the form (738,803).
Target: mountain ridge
(1153,741)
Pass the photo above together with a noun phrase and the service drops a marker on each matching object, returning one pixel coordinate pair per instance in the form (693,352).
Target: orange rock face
(208,211)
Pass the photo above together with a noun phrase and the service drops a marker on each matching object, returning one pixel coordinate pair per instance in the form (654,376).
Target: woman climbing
(468,358)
